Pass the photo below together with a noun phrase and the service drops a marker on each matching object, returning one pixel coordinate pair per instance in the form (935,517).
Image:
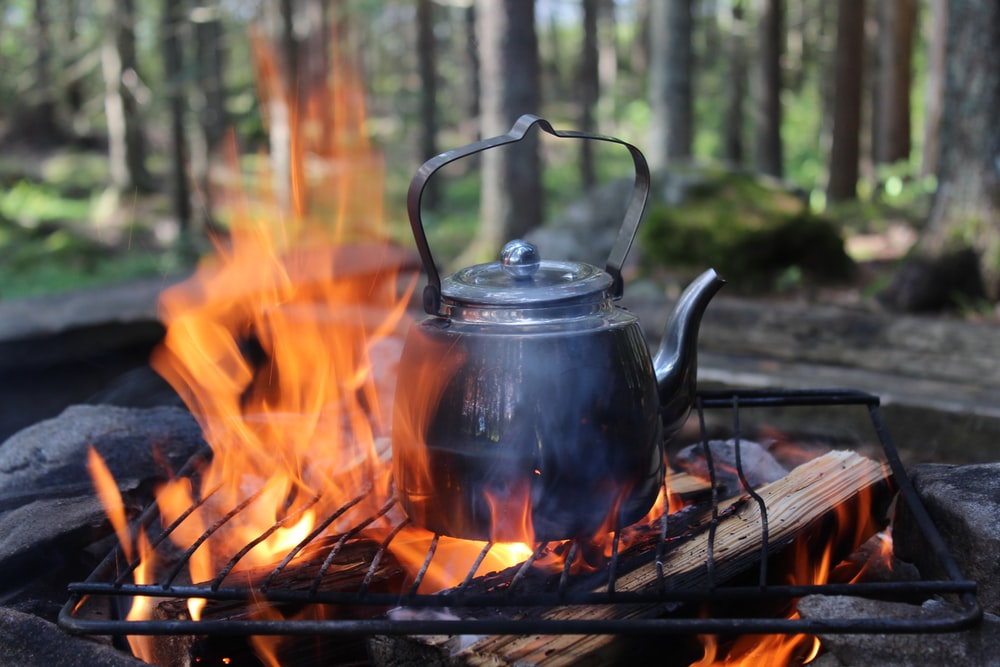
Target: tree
(845,148)
(44,110)
(427,67)
(472,109)
(126,137)
(966,209)
(891,118)
(934,92)
(671,69)
(588,89)
(767,88)
(173,65)
(736,54)
(511,201)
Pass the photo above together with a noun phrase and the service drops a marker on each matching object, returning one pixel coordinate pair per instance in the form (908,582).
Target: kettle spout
(676,361)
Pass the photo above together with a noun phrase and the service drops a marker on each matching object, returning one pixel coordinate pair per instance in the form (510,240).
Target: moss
(755,233)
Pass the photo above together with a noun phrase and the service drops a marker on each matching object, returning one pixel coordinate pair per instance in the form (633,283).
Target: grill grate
(111,585)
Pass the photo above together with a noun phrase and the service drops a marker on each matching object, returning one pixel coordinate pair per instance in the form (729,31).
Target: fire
(812,561)
(284,344)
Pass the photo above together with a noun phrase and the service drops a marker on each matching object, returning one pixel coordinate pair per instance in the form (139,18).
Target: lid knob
(520,259)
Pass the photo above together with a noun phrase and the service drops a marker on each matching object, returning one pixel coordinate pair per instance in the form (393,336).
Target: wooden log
(795,503)
(347,571)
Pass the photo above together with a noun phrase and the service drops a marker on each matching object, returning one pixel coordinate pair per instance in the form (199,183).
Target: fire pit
(291,526)
(517,601)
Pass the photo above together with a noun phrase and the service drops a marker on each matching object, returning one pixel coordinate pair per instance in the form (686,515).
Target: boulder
(964,503)
(29,641)
(977,646)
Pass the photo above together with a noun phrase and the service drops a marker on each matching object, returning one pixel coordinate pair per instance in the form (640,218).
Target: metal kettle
(528,405)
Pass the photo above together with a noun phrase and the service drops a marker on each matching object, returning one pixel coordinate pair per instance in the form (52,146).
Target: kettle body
(553,434)
(528,407)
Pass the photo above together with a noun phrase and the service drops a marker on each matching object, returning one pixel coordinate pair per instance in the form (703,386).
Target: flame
(852,523)
(111,501)
(284,345)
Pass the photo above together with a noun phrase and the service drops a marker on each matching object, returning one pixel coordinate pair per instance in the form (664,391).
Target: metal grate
(111,587)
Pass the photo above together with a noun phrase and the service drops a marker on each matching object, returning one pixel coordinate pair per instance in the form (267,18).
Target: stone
(49,459)
(759,466)
(29,641)
(53,530)
(963,501)
(979,645)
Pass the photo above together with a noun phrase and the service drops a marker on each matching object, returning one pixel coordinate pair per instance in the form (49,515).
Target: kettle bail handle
(626,234)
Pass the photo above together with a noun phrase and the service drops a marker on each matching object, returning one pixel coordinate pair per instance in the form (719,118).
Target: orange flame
(284,346)
(853,522)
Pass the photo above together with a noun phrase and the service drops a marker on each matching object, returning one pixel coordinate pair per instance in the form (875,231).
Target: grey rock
(964,504)
(978,646)
(590,225)
(758,465)
(29,641)
(49,459)
(53,530)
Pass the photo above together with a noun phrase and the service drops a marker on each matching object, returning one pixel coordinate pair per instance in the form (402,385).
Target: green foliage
(32,204)
(51,258)
(755,233)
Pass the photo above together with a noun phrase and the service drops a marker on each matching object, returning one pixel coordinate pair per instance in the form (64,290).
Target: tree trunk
(966,210)
(73,93)
(472,108)
(640,52)
(588,90)
(607,56)
(44,108)
(767,89)
(210,102)
(849,61)
(213,118)
(732,130)
(511,199)
(427,67)
(896,24)
(126,139)
(670,82)
(934,93)
(173,67)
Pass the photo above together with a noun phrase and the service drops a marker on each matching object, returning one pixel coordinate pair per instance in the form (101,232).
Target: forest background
(878,118)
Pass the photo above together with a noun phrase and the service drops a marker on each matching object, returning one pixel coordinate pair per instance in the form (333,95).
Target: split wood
(794,504)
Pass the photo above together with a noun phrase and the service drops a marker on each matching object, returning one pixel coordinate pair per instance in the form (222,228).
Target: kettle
(528,406)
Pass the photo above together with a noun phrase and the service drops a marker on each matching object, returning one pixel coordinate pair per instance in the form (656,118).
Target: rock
(586,230)
(964,504)
(48,459)
(53,530)
(759,467)
(29,641)
(977,646)
(924,284)
(42,548)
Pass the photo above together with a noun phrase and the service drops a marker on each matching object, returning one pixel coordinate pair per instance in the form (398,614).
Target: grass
(56,233)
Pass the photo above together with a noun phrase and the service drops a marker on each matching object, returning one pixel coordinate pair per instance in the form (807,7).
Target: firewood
(348,570)
(795,503)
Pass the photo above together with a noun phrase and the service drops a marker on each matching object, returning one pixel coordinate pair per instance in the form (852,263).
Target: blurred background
(845,149)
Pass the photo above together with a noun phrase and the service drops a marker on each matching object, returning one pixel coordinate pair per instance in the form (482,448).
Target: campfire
(285,346)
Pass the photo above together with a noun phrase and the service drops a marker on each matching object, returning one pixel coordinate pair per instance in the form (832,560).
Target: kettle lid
(522,278)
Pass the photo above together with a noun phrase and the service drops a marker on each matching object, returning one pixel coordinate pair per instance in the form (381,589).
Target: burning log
(797,505)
